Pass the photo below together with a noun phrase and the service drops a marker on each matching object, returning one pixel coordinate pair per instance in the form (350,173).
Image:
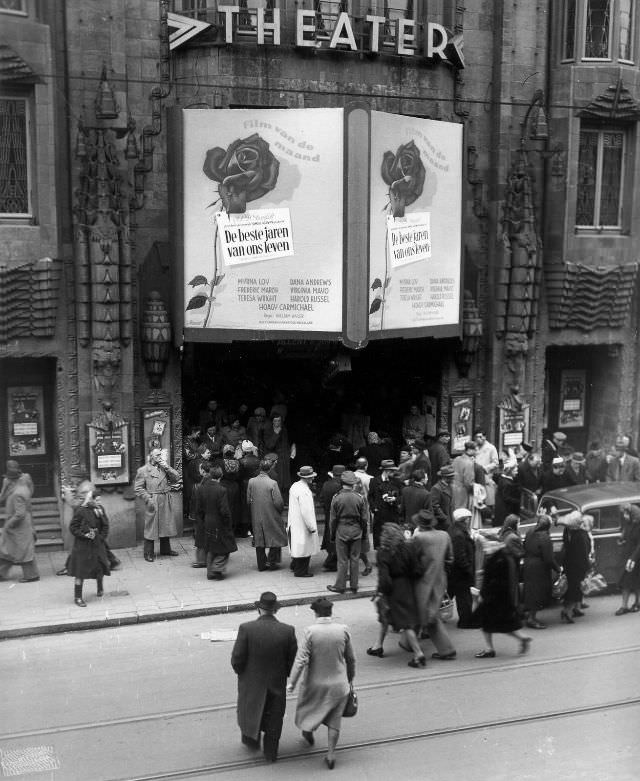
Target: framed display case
(25,416)
(156,427)
(109,454)
(573,385)
(461,421)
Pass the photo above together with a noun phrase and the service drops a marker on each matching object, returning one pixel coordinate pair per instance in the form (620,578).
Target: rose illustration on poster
(405,174)
(245,171)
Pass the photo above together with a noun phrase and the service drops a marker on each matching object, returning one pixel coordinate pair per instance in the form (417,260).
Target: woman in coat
(327,664)
(231,481)
(630,541)
(89,527)
(434,550)
(398,569)
(212,509)
(266,505)
(537,567)
(576,547)
(498,609)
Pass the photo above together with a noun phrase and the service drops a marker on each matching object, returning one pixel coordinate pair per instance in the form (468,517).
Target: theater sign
(316,223)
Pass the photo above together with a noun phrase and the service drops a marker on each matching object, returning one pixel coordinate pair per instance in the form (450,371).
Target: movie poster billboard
(415,217)
(263,219)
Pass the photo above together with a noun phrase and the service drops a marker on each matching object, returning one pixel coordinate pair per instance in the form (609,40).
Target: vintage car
(603,501)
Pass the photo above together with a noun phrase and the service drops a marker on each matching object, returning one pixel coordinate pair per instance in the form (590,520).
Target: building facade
(97,358)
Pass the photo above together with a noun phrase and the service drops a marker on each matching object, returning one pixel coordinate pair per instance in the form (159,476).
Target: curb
(167,615)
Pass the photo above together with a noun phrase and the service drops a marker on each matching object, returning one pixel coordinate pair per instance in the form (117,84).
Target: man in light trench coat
(262,658)
(152,484)
(301,523)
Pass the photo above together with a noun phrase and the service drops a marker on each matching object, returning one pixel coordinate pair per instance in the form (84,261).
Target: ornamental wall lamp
(471,335)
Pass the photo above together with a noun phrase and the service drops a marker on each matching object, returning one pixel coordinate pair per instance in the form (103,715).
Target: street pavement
(140,591)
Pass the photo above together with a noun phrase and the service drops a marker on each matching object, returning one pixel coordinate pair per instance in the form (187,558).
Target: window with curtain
(14,157)
(600,178)
(597,38)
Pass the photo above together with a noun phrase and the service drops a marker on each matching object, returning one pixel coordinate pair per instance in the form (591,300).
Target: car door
(606,536)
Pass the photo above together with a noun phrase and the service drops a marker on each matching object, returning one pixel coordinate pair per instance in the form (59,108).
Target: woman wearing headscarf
(398,570)
(434,550)
(508,535)
(327,664)
(538,565)
(630,541)
(576,547)
(231,481)
(498,608)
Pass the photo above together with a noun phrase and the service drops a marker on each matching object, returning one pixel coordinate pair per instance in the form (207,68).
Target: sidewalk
(140,591)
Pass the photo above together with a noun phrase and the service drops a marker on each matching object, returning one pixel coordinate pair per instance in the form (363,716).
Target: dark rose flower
(405,175)
(247,170)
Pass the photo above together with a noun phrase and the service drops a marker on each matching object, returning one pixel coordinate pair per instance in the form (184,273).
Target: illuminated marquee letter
(273,27)
(406,36)
(347,37)
(302,28)
(375,21)
(432,49)
(228,11)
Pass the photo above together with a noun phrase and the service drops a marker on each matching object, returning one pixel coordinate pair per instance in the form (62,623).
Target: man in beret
(262,658)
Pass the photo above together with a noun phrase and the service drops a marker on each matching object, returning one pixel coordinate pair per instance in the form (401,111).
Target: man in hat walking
(442,498)
(329,489)
(384,498)
(17,546)
(301,523)
(348,522)
(262,658)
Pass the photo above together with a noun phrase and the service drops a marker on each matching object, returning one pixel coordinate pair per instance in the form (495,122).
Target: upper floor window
(13,6)
(600,178)
(598,30)
(15,198)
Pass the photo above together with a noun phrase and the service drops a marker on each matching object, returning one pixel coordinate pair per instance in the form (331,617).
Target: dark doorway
(27,429)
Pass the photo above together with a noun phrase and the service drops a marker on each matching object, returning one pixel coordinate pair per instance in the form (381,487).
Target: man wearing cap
(329,489)
(301,523)
(442,498)
(262,658)
(348,521)
(623,466)
(462,574)
(153,485)
(439,451)
(17,546)
(384,499)
(576,468)
(558,477)
(552,447)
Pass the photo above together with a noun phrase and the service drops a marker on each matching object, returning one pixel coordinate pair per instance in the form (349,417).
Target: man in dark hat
(442,498)
(16,537)
(348,521)
(301,523)
(576,468)
(384,498)
(262,658)
(329,489)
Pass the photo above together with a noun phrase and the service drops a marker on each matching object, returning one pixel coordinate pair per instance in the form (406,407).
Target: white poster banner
(409,238)
(259,234)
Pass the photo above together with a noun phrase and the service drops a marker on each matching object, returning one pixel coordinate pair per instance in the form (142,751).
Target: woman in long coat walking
(212,509)
(327,663)
(89,527)
(576,547)
(266,505)
(538,565)
(17,544)
(434,550)
(231,482)
(630,542)
(398,570)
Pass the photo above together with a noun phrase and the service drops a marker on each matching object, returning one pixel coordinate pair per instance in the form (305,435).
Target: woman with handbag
(538,565)
(398,569)
(435,551)
(327,664)
(630,541)
(576,547)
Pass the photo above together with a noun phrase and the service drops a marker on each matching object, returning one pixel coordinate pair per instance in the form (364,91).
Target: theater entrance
(321,386)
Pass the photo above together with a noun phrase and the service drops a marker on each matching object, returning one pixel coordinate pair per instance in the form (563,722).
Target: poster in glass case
(25,414)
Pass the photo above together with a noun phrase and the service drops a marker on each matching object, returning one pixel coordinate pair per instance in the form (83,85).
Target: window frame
(12,11)
(632,33)
(601,130)
(612,29)
(29,216)
(564,28)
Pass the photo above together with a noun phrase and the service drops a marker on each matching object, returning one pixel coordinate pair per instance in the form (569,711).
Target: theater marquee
(316,223)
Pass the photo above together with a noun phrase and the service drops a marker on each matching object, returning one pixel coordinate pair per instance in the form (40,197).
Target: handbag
(593,583)
(351,705)
(560,586)
(446,608)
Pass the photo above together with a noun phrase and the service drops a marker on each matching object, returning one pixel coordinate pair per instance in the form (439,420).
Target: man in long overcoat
(262,658)
(266,505)
(17,544)
(442,498)
(301,523)
(212,510)
(152,484)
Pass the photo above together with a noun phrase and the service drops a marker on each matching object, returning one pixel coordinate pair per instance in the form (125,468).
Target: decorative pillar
(156,338)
